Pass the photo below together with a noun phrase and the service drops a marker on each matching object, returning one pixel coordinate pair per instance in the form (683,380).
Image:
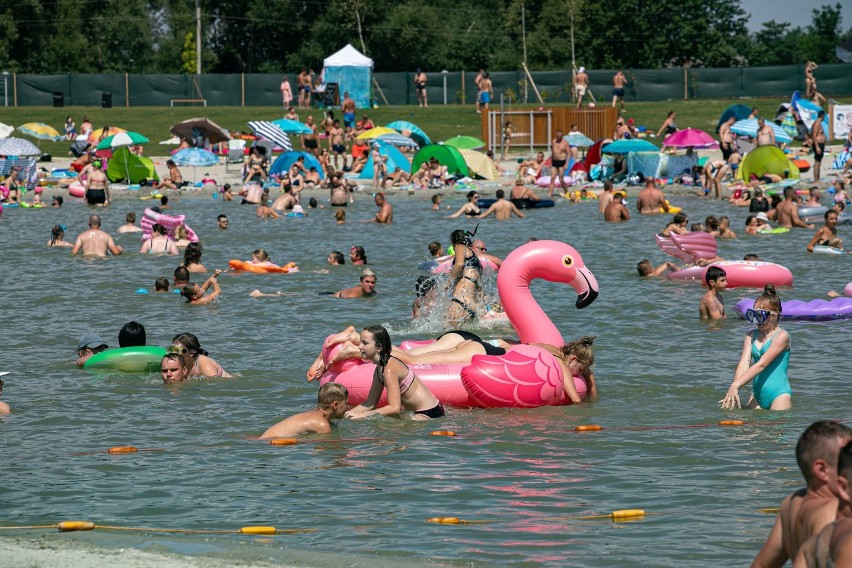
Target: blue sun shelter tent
(396,159)
(353,72)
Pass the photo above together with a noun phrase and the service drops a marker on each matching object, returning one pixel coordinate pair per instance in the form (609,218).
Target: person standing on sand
(95,242)
(558,159)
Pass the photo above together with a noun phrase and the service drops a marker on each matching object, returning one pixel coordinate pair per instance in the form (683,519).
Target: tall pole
(5,88)
(198,37)
(524,42)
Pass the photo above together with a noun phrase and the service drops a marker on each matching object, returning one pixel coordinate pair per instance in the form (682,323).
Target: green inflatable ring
(127,359)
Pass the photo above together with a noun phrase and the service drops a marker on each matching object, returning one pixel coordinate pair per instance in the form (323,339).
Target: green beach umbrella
(465,143)
(121,139)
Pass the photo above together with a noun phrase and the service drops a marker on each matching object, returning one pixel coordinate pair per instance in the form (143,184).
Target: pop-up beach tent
(352,71)
(768,160)
(130,168)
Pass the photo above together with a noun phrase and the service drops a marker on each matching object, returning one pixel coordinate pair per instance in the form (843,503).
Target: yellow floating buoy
(67,526)
(283,442)
(588,428)
(443,433)
(731,423)
(770,510)
(625,514)
(123,450)
(445,520)
(258,530)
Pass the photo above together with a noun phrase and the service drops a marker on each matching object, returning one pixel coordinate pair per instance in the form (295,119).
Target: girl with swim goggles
(764,360)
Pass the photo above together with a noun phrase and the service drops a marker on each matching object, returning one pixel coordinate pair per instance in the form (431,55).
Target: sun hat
(582,69)
(762,216)
(298,209)
(90,340)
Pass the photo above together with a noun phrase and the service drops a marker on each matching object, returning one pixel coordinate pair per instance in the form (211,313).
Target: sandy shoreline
(230,173)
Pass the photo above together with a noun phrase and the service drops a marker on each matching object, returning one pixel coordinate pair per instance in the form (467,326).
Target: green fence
(398,88)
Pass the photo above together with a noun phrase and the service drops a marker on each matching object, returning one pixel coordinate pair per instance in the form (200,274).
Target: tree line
(273,36)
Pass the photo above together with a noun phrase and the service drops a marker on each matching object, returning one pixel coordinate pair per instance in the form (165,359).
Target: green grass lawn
(438,121)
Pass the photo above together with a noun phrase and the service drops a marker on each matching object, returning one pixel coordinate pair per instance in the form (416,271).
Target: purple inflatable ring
(838,308)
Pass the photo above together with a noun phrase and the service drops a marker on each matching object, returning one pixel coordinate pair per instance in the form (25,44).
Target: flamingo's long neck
(530,322)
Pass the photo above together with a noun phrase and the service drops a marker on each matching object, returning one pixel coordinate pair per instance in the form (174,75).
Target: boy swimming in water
(331,403)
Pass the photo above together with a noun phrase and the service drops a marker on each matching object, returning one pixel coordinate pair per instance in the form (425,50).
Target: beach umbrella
(95,135)
(121,139)
(580,140)
(195,157)
(40,130)
(375,133)
(411,130)
(398,140)
(690,138)
(18,147)
(197,129)
(292,126)
(627,146)
(464,143)
(272,132)
(739,112)
(749,127)
(5,130)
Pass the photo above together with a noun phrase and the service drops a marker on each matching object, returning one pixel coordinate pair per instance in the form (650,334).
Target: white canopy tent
(352,71)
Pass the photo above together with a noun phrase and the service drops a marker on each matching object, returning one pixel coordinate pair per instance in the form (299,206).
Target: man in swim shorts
(618,83)
(95,242)
(485,90)
(558,159)
(420,85)
(348,108)
(337,144)
(310,141)
(581,85)
(818,139)
(807,511)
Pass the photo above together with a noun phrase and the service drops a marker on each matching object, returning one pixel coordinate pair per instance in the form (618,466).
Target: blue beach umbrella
(195,157)
(292,126)
(627,146)
(749,127)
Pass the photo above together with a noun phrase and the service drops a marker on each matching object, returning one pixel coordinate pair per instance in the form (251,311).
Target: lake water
(368,488)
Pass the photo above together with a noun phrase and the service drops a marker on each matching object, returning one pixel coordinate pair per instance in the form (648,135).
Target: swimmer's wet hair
(383,344)
(713,273)
(770,298)
(261,254)
(581,349)
(330,393)
(644,267)
(367,272)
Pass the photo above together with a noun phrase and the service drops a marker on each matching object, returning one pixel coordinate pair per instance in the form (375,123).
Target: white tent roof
(348,57)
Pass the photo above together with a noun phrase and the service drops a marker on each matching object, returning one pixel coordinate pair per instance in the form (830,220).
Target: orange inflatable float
(245,266)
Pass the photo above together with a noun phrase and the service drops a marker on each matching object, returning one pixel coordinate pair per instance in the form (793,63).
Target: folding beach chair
(236,152)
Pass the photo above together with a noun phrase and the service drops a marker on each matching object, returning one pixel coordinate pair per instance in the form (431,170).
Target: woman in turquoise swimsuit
(766,354)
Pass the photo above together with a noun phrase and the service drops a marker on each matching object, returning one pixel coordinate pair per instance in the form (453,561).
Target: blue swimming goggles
(758,317)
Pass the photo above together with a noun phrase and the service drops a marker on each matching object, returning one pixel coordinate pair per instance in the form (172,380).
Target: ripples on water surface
(368,487)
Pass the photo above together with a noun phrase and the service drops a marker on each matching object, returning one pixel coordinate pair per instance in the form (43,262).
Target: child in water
(711,306)
(764,360)
(331,403)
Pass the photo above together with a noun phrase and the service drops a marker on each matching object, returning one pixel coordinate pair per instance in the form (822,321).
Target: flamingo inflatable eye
(568,261)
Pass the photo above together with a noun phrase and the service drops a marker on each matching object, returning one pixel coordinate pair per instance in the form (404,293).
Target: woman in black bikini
(471,209)
(465,279)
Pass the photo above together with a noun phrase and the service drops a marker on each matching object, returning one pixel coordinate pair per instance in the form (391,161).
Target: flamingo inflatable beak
(586,287)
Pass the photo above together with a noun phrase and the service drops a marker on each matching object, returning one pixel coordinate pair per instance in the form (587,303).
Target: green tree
(822,35)
(190,65)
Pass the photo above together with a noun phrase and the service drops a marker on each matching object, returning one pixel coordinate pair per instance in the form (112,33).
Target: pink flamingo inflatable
(526,376)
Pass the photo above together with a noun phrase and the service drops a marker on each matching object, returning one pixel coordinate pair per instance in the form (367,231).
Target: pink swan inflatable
(170,222)
(526,376)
